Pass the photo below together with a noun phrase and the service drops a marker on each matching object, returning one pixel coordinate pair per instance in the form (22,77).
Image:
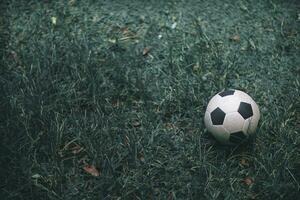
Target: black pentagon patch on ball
(217,116)
(226,93)
(237,137)
(245,110)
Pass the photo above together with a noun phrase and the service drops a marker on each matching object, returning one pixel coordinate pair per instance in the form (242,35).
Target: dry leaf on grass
(115,103)
(171,126)
(146,51)
(71,147)
(91,170)
(235,38)
(244,162)
(126,141)
(76,149)
(141,156)
(125,30)
(248,181)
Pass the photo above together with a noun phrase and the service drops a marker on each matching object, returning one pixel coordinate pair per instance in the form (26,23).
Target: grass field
(122,86)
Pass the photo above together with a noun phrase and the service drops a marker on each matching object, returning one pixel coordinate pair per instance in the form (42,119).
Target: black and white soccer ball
(231,116)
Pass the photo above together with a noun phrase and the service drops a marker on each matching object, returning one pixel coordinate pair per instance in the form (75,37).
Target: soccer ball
(231,116)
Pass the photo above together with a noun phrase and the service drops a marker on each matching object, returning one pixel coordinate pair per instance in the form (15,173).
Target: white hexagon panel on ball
(231,116)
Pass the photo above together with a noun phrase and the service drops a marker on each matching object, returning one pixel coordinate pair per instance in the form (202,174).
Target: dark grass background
(85,82)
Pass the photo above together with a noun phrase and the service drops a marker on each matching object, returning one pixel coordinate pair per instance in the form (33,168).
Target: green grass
(85,82)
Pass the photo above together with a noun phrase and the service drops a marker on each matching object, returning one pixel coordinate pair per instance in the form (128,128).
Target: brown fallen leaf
(125,30)
(248,181)
(146,51)
(76,149)
(115,103)
(141,156)
(171,126)
(91,170)
(244,162)
(235,38)
(127,140)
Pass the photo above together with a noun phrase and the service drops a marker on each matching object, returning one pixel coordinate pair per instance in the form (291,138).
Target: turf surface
(77,91)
